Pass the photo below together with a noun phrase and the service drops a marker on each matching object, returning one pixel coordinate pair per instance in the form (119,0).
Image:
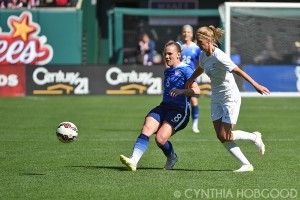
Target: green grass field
(35,165)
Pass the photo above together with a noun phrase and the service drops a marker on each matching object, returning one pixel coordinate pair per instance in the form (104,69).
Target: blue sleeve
(198,53)
(188,72)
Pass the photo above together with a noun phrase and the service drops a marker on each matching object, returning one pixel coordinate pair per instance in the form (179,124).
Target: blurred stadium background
(94,36)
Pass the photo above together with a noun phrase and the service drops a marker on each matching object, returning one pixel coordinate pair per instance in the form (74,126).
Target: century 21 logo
(23,45)
(59,82)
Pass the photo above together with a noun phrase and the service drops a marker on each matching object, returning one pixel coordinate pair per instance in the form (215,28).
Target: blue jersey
(175,78)
(190,55)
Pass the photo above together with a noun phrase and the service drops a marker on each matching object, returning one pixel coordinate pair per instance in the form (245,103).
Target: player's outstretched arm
(196,73)
(259,88)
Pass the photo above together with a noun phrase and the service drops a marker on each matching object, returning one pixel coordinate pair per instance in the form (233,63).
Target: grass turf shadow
(123,168)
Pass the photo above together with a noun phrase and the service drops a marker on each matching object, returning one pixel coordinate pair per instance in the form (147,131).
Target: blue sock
(195,112)
(167,148)
(140,147)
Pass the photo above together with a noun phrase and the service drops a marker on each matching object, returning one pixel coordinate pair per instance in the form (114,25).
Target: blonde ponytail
(215,34)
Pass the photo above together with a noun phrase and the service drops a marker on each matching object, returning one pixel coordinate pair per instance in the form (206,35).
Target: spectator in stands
(13,4)
(24,3)
(146,48)
(3,3)
(73,2)
(62,2)
(49,3)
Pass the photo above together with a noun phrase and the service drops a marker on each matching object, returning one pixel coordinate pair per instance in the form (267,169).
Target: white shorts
(227,110)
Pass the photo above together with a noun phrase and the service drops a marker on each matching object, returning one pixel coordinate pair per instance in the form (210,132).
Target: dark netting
(265,35)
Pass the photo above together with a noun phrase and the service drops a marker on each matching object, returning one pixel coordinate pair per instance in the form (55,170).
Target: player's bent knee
(160,141)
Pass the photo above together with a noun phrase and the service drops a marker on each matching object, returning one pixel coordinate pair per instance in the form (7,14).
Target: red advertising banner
(23,45)
(12,80)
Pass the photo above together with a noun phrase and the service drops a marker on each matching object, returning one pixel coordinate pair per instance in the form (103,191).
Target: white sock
(236,152)
(140,147)
(136,155)
(195,123)
(243,135)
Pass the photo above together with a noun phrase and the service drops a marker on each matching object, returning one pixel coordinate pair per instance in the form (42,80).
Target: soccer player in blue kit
(171,115)
(190,56)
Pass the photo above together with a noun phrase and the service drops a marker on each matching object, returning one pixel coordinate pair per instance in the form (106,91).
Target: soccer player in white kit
(225,97)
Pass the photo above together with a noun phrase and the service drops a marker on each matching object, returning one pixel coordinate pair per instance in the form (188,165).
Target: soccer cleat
(129,163)
(195,129)
(245,168)
(195,126)
(259,143)
(171,162)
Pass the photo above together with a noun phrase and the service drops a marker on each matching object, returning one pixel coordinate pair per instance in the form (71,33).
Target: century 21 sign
(23,45)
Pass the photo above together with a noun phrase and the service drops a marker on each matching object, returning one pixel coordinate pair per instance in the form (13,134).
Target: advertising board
(94,80)
(12,80)
(22,45)
(276,78)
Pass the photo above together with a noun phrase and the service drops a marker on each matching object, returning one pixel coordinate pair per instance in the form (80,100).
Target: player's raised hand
(262,90)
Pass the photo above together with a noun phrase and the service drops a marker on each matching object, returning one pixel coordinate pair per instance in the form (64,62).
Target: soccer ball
(66,132)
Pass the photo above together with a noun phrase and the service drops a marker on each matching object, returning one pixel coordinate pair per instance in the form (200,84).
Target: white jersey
(218,67)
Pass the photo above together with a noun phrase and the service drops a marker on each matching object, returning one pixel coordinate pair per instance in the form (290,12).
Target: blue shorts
(177,118)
